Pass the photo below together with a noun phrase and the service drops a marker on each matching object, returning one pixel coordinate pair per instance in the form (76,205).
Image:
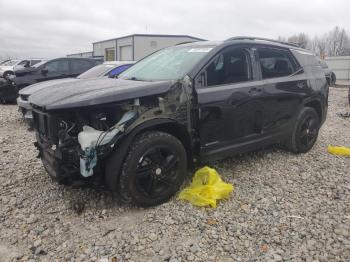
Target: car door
(54,69)
(230,108)
(284,86)
(79,66)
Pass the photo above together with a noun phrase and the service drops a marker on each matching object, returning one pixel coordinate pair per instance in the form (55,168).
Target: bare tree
(301,39)
(319,45)
(281,39)
(338,42)
(334,43)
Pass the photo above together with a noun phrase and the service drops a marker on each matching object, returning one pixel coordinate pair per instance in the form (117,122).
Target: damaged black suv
(197,101)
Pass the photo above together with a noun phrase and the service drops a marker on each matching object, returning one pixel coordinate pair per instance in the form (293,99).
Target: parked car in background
(108,69)
(330,76)
(52,69)
(8,68)
(193,102)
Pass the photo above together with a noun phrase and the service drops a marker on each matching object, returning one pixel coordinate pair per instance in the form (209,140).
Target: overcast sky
(34,28)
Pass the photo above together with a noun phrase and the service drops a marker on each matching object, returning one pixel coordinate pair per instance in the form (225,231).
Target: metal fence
(340,65)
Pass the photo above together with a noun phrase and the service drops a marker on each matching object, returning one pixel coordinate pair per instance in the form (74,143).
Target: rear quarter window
(275,62)
(305,58)
(80,66)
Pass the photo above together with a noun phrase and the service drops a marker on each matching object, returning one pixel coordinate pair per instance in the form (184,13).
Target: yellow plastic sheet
(339,150)
(206,188)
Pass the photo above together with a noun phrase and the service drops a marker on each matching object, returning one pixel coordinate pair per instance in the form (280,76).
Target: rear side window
(23,62)
(231,66)
(33,62)
(57,66)
(305,58)
(80,66)
(275,62)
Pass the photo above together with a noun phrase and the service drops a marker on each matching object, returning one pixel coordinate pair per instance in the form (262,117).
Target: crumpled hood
(89,92)
(29,90)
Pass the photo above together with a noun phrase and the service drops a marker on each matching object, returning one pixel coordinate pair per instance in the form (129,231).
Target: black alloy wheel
(154,169)
(308,132)
(305,132)
(155,172)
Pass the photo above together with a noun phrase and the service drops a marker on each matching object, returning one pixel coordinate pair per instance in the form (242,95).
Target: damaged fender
(174,109)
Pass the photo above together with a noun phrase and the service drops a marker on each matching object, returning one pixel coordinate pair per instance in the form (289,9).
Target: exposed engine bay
(73,142)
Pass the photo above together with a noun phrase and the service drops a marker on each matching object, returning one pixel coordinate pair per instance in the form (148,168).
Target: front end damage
(75,143)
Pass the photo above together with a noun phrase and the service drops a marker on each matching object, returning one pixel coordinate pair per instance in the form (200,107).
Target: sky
(48,29)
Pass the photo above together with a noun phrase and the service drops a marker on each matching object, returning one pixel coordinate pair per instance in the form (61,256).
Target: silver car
(8,68)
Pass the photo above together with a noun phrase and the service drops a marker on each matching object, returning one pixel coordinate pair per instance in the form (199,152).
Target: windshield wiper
(134,78)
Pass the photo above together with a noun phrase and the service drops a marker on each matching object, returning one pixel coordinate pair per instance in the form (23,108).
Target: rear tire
(305,131)
(333,79)
(154,169)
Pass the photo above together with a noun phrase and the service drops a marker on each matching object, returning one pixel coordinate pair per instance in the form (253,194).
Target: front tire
(305,132)
(154,169)
(7,74)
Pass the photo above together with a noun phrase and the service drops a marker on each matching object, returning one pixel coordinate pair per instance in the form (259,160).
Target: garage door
(126,53)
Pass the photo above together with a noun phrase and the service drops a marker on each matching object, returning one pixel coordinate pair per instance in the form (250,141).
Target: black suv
(52,69)
(192,102)
(43,71)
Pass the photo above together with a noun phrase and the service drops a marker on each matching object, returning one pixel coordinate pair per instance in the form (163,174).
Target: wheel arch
(115,161)
(317,105)
(8,71)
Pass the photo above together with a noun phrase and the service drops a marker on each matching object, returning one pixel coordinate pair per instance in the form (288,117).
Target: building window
(110,54)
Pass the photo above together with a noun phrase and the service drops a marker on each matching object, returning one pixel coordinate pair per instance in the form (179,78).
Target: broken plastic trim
(90,139)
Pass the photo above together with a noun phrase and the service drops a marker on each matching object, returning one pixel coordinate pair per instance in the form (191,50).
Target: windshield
(3,62)
(96,71)
(10,63)
(168,64)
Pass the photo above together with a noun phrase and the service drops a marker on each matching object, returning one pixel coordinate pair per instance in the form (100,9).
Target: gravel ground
(284,207)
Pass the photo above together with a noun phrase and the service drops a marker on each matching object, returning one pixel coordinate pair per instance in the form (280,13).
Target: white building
(137,46)
(340,65)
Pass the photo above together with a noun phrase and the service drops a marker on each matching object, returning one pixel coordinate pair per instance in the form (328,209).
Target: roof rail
(261,38)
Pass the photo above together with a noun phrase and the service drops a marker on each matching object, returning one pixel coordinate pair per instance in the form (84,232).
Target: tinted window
(97,71)
(116,71)
(33,62)
(231,66)
(23,62)
(275,62)
(57,66)
(80,66)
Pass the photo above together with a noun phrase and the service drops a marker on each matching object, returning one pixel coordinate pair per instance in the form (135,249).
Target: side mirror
(44,71)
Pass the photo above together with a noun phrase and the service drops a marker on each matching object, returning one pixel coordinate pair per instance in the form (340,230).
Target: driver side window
(57,66)
(231,66)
